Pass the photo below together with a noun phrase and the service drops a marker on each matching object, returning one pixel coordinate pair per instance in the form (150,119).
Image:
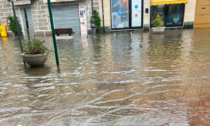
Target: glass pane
(174,15)
(120,15)
(136,13)
(157,10)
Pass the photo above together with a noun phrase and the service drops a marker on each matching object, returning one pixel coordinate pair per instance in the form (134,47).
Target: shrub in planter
(34,52)
(97,20)
(158,23)
(13,25)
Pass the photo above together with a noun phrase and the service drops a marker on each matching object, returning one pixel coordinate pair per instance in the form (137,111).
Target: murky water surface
(142,80)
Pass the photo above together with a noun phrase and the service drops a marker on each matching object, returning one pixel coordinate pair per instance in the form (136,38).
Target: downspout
(103,14)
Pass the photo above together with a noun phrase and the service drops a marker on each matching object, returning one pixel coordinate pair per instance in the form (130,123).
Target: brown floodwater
(140,80)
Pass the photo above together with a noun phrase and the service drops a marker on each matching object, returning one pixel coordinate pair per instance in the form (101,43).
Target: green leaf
(97,20)
(34,46)
(13,25)
(158,22)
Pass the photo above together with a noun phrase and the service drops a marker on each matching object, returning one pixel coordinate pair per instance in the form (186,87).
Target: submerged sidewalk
(139,80)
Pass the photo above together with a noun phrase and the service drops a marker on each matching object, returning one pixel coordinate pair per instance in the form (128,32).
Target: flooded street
(140,80)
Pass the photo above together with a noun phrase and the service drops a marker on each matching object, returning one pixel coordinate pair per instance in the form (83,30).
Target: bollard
(3,31)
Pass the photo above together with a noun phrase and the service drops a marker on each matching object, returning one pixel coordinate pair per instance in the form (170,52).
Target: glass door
(136,19)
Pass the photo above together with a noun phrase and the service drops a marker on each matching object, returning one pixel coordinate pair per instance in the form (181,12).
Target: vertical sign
(136,13)
(83,21)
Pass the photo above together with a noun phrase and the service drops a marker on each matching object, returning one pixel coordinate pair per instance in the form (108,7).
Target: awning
(163,2)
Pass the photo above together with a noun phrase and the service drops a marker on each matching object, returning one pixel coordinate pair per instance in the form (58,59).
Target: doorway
(27,21)
(126,14)
(66,16)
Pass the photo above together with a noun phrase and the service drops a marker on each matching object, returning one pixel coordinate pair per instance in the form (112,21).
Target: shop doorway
(126,14)
(202,15)
(27,21)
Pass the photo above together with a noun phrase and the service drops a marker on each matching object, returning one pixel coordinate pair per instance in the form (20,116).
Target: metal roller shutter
(66,16)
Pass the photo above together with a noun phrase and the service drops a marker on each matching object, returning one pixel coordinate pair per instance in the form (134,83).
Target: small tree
(97,20)
(13,25)
(158,22)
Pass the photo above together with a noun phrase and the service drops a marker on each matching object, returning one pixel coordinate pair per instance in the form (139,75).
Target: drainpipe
(93,22)
(17,27)
(103,14)
(26,19)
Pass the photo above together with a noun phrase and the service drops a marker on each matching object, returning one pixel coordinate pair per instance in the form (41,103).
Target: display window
(172,15)
(126,14)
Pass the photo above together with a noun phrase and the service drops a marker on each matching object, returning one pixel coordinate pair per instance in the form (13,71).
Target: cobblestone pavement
(140,80)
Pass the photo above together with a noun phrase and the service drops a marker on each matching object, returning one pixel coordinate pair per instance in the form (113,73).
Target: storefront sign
(120,17)
(83,21)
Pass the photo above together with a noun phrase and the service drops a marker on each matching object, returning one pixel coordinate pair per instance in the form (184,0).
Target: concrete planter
(158,30)
(34,59)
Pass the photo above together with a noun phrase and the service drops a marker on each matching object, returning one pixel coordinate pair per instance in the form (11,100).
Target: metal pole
(103,14)
(93,22)
(53,32)
(16,23)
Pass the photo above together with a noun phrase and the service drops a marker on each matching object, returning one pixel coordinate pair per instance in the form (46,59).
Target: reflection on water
(146,79)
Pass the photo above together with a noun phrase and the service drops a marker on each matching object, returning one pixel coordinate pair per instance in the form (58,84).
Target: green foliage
(34,46)
(13,25)
(97,20)
(158,22)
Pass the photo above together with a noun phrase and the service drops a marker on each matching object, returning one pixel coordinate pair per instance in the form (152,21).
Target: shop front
(126,14)
(172,12)
(71,14)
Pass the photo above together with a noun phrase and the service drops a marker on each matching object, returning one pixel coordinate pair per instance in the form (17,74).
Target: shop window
(120,15)
(126,14)
(172,15)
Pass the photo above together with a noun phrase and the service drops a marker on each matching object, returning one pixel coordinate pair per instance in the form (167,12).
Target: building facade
(139,14)
(118,14)
(36,14)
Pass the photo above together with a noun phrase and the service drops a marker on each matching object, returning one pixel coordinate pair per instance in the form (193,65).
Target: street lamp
(93,22)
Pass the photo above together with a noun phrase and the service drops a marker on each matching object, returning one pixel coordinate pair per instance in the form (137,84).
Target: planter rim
(158,27)
(33,55)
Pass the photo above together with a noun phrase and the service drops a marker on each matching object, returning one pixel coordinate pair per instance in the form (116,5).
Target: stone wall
(189,17)
(40,16)
(107,17)
(146,21)
(5,11)
(41,19)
